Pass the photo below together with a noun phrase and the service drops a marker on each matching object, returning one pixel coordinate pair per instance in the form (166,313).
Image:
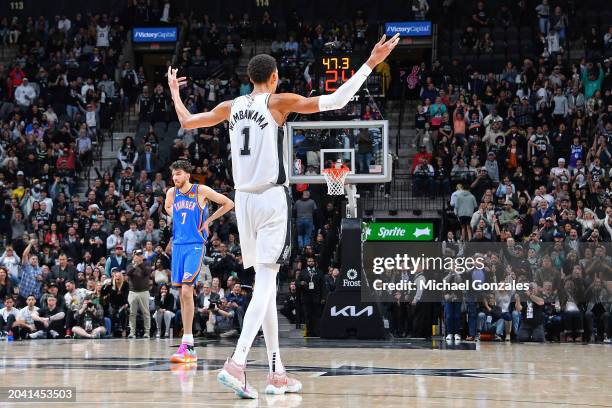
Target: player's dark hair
(181,165)
(260,68)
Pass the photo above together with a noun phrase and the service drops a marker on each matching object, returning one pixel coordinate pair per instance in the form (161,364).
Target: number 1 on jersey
(245,151)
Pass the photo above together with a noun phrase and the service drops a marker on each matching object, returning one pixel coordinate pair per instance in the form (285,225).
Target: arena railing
(402,194)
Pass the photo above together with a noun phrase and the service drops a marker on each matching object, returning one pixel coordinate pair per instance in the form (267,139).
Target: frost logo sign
(352,281)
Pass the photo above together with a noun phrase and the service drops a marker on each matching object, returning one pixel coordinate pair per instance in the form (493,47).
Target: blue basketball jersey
(188,218)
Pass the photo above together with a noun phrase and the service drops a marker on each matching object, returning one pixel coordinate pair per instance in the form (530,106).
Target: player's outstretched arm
(225,204)
(189,120)
(289,102)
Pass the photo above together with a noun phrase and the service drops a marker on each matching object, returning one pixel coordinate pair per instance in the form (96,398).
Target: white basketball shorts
(264,225)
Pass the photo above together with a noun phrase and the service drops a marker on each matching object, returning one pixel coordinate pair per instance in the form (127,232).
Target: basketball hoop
(335,180)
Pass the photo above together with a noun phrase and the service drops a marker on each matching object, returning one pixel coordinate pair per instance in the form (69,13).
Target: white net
(335,180)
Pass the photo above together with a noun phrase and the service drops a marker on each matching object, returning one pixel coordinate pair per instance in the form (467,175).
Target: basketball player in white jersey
(260,167)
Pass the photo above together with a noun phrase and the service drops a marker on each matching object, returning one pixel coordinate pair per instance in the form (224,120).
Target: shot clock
(334,70)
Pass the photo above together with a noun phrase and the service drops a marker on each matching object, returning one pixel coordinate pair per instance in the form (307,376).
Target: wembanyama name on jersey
(248,114)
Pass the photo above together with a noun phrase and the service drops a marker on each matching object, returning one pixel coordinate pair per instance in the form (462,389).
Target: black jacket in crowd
(139,277)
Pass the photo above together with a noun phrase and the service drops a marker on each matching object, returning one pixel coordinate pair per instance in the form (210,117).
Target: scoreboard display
(334,70)
(16,8)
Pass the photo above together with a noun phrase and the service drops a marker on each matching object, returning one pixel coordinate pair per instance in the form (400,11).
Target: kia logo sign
(351,311)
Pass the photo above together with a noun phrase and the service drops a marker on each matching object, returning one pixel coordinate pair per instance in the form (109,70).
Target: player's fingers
(169,71)
(393,39)
(182,79)
(393,42)
(382,39)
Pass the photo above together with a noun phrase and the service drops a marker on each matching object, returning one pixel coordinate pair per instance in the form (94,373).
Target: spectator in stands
(572,315)
(31,274)
(139,273)
(206,302)
(117,291)
(117,260)
(130,83)
(90,320)
(305,210)
(480,17)
(452,308)
(6,286)
(504,16)
(291,305)
(464,205)
(237,303)
(164,310)
(423,178)
(311,287)
(148,160)
(63,272)
(543,12)
(128,155)
(485,44)
(52,320)
(25,94)
(224,322)
(597,316)
(490,318)
(531,307)
(24,324)
(420,9)
(10,261)
(8,316)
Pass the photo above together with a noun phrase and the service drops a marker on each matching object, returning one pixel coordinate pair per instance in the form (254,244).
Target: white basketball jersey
(102,40)
(259,145)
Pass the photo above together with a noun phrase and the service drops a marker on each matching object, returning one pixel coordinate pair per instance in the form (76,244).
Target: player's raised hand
(382,49)
(173,82)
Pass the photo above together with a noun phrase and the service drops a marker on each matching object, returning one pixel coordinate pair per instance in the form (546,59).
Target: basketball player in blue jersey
(259,168)
(187,205)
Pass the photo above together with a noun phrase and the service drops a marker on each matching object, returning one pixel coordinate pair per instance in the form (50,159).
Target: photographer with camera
(206,302)
(224,319)
(89,317)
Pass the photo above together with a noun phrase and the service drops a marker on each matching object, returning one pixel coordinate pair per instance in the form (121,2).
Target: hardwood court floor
(135,373)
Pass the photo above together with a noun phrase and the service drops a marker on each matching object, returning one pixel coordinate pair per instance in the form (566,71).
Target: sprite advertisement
(398,231)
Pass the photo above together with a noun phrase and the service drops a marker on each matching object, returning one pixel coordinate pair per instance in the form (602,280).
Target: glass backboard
(361,146)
